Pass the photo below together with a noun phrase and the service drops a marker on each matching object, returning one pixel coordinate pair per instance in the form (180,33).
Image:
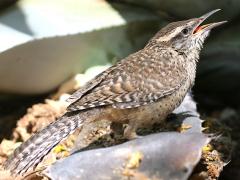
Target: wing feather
(135,81)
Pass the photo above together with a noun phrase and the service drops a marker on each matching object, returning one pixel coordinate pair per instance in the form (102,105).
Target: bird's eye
(185,31)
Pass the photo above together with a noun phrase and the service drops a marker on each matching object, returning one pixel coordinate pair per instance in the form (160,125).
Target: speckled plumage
(141,78)
(139,90)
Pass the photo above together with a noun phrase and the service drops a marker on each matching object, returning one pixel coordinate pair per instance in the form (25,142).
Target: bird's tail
(31,152)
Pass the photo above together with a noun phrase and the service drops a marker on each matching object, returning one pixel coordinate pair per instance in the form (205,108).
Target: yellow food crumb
(207,148)
(59,148)
(184,127)
(134,160)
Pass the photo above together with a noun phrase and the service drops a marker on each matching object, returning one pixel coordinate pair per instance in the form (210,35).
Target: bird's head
(185,36)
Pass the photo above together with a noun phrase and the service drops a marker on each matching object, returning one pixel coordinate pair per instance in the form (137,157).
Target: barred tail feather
(31,152)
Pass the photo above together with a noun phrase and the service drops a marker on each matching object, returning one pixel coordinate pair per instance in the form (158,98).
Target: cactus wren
(139,90)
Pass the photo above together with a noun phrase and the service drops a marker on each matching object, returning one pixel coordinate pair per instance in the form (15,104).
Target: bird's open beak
(201,28)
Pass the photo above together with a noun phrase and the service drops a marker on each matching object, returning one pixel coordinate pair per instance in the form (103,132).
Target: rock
(157,156)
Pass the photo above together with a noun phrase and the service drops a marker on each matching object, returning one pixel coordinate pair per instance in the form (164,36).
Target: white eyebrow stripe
(169,36)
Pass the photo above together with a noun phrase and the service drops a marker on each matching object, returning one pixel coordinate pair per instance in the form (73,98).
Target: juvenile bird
(139,90)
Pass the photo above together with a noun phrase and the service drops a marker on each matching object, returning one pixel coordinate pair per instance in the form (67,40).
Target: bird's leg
(130,131)
(117,129)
